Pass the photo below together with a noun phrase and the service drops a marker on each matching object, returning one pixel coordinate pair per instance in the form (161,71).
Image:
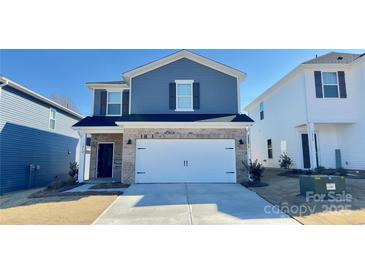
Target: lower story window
(269,149)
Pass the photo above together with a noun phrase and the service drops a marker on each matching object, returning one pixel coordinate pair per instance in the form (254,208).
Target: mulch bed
(252,185)
(109,185)
(297,175)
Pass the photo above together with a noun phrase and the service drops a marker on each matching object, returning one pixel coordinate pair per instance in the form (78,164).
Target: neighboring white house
(315,114)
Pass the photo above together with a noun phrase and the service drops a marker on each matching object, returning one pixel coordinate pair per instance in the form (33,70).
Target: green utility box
(321,184)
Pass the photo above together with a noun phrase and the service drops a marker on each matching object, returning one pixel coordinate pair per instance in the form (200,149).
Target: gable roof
(184,54)
(331,58)
(334,58)
(6,81)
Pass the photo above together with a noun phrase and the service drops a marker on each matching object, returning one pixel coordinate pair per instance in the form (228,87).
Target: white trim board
(183,124)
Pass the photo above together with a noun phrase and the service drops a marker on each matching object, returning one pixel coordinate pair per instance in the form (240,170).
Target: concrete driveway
(187,204)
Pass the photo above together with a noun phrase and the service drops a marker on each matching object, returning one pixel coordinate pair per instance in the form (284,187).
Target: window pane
(53,114)
(114,97)
(184,102)
(329,78)
(269,143)
(183,89)
(114,109)
(330,91)
(269,153)
(261,106)
(52,124)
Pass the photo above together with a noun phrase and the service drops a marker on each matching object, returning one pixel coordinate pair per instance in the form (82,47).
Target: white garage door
(185,161)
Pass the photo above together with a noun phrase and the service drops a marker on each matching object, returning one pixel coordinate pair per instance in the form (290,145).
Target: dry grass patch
(73,210)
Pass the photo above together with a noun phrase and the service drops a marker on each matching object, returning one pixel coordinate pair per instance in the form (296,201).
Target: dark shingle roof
(107,121)
(107,82)
(334,58)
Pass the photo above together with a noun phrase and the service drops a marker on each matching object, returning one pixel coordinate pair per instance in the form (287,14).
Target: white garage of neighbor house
(174,120)
(315,114)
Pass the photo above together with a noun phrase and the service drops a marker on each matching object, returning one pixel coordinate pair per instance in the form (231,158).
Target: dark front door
(105,160)
(305,147)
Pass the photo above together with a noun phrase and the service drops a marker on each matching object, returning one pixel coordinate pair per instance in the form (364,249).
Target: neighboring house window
(262,111)
(52,118)
(114,102)
(184,95)
(330,84)
(269,149)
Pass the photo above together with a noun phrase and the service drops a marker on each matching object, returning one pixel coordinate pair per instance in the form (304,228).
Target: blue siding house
(175,120)
(36,140)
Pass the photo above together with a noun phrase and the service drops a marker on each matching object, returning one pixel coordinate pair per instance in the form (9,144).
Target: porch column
(82,156)
(248,144)
(312,145)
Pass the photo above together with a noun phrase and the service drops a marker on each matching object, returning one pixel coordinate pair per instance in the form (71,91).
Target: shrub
(285,161)
(320,170)
(255,170)
(74,170)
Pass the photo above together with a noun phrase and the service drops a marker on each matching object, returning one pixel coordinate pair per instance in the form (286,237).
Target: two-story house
(173,120)
(315,114)
(37,142)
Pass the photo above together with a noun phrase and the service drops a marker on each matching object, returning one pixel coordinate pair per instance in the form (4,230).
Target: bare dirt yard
(18,209)
(283,192)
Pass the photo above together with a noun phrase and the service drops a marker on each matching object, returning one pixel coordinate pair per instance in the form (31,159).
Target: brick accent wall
(117,139)
(129,150)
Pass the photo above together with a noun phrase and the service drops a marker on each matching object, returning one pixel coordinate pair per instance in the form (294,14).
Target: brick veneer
(117,139)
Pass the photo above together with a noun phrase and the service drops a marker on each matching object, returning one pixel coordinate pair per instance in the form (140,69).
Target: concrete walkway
(187,204)
(86,188)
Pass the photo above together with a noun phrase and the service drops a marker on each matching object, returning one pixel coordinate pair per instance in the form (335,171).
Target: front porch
(325,144)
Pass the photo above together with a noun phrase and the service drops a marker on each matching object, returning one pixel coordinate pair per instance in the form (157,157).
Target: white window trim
(189,82)
(107,102)
(50,118)
(337,85)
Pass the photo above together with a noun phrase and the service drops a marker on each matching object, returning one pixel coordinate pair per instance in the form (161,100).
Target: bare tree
(63,101)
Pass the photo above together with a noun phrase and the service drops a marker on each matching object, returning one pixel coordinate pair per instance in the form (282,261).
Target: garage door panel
(188,160)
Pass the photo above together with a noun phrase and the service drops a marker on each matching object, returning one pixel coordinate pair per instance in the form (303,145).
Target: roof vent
(339,57)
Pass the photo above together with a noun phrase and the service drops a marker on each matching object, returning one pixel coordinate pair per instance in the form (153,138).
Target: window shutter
(318,82)
(103,95)
(125,100)
(196,95)
(172,96)
(342,84)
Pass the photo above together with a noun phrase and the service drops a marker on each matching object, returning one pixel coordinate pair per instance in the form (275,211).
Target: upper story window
(262,111)
(330,84)
(269,148)
(184,95)
(52,118)
(114,103)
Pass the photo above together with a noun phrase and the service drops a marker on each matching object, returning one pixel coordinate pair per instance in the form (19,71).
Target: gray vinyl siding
(150,91)
(97,102)
(25,138)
